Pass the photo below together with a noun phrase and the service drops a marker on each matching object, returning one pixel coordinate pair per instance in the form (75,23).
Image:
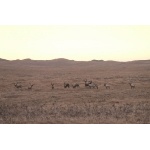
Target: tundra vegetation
(24,103)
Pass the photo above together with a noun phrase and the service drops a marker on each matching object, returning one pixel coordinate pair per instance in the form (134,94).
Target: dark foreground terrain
(42,104)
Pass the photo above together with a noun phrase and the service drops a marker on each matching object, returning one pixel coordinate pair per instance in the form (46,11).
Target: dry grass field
(42,104)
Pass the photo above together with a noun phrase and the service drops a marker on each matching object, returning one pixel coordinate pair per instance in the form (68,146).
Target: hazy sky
(78,42)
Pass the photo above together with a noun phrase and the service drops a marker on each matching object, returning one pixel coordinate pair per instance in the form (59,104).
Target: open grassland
(42,104)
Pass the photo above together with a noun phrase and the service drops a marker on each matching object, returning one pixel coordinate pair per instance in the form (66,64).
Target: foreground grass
(86,112)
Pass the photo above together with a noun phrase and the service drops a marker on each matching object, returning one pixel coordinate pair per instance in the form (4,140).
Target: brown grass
(120,104)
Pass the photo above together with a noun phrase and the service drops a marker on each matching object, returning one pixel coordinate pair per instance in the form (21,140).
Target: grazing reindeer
(107,85)
(87,82)
(52,84)
(30,87)
(66,85)
(132,85)
(18,86)
(93,85)
(75,85)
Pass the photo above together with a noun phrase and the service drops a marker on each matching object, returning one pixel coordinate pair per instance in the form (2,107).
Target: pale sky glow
(78,42)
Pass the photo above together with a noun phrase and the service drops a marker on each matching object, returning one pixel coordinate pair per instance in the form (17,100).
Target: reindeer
(132,85)
(107,85)
(52,84)
(87,82)
(93,85)
(75,85)
(30,87)
(18,86)
(66,85)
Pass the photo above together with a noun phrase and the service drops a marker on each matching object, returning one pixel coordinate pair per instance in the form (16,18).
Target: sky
(77,42)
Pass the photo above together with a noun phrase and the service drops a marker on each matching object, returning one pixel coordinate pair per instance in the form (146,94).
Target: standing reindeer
(75,85)
(87,82)
(93,85)
(52,84)
(107,85)
(132,85)
(66,85)
(18,86)
(30,87)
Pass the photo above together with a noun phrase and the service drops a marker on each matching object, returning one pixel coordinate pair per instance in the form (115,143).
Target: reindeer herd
(19,86)
(88,84)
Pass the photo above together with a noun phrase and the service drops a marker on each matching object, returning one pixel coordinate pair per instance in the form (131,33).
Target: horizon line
(72,59)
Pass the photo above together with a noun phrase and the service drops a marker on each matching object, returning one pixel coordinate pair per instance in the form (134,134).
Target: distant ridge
(61,59)
(96,60)
(3,59)
(57,59)
(27,59)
